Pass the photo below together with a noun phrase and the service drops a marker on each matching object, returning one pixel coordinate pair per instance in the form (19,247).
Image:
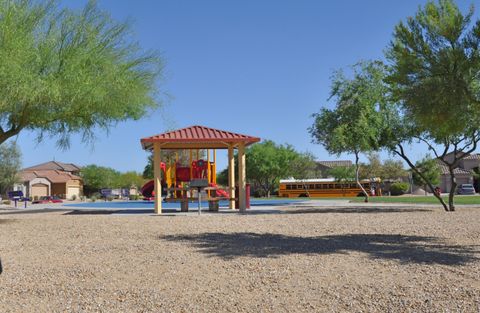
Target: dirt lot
(314,260)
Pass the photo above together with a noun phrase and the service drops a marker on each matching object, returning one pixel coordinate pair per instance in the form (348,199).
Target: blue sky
(255,67)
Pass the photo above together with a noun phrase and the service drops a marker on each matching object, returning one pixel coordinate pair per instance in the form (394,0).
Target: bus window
(289,187)
(299,186)
(293,187)
(311,186)
(318,186)
(330,186)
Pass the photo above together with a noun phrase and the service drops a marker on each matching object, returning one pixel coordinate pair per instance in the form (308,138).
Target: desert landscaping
(328,259)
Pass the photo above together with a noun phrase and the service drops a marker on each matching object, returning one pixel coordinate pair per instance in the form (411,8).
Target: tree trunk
(357,172)
(414,168)
(453,188)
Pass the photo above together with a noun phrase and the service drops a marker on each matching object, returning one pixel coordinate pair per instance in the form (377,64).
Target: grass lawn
(406,199)
(421,199)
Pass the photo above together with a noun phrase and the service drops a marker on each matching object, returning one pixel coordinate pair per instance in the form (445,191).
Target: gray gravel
(310,259)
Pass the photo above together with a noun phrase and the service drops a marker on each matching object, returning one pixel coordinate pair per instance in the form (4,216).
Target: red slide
(220,192)
(148,190)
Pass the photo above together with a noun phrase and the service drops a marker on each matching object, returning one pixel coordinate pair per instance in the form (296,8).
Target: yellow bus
(325,187)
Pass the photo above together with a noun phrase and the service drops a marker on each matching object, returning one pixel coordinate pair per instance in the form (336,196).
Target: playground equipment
(176,176)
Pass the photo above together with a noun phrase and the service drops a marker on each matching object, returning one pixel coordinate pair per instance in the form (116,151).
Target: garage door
(39,190)
(71,191)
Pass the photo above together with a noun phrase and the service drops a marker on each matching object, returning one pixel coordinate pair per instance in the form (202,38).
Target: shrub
(93,198)
(35,198)
(7,202)
(134,197)
(399,188)
(74,197)
(110,198)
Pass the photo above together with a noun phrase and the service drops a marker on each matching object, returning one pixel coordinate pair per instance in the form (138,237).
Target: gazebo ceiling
(197,137)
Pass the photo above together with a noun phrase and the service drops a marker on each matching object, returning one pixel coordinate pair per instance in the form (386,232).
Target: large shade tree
(10,164)
(353,126)
(65,71)
(434,61)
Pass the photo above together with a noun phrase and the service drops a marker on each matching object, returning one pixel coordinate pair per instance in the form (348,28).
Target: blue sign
(15,194)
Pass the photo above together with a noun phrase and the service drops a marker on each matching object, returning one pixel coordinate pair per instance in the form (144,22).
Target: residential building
(51,179)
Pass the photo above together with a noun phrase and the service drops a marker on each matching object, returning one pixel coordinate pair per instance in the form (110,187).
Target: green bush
(93,198)
(7,202)
(397,189)
(134,197)
(110,198)
(74,197)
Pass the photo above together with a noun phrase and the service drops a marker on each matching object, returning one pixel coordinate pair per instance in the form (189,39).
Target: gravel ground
(313,260)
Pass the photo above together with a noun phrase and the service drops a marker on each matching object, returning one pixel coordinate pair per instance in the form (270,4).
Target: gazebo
(201,137)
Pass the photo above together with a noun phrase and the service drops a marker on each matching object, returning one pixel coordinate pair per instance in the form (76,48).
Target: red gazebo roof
(198,137)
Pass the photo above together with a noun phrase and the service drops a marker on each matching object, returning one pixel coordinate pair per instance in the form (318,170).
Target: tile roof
(52,175)
(337,163)
(54,165)
(474,156)
(196,134)
(458,171)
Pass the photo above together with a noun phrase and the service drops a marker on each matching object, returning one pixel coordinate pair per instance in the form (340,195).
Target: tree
(129,179)
(354,125)
(434,63)
(387,170)
(343,174)
(304,166)
(268,162)
(98,177)
(10,164)
(65,72)
(430,170)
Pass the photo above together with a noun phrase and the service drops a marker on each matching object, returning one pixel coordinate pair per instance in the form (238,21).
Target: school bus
(324,187)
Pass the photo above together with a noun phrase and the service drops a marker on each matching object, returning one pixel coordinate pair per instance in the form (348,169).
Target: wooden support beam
(231,178)
(242,181)
(157,178)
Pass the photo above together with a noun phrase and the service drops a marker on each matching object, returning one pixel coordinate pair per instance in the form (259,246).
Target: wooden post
(231,177)
(157,177)
(242,200)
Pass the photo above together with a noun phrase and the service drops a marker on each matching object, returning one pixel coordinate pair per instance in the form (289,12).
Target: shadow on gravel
(405,249)
(357,210)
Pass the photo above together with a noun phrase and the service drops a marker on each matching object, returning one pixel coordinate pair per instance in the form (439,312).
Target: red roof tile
(195,134)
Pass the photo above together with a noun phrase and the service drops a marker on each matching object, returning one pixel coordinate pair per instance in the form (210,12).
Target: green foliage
(66,71)
(93,198)
(129,179)
(343,173)
(354,125)
(399,188)
(10,165)
(387,170)
(222,177)
(268,162)
(430,170)
(435,61)
(98,177)
(434,76)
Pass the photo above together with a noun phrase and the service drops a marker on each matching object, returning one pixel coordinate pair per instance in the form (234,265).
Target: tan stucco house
(464,172)
(51,179)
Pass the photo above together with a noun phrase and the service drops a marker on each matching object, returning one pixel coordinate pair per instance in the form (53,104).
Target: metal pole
(199,201)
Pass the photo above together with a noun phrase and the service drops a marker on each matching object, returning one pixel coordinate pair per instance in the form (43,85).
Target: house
(464,172)
(51,179)
(323,167)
